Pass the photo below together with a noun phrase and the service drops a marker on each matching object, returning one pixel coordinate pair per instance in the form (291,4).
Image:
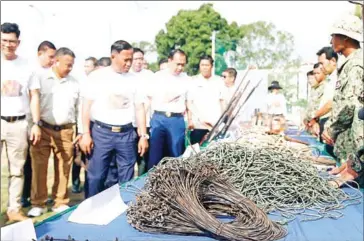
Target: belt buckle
(116,129)
(11,119)
(168,114)
(57,128)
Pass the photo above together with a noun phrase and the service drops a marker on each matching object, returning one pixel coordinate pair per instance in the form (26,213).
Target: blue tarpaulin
(347,228)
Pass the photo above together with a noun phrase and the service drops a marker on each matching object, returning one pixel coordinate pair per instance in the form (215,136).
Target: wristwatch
(38,123)
(145,136)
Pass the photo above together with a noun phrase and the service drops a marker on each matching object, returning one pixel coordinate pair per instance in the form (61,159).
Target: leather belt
(54,127)
(115,128)
(168,114)
(12,118)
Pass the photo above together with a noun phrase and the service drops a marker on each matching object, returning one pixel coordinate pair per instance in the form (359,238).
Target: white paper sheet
(100,209)
(21,231)
(189,151)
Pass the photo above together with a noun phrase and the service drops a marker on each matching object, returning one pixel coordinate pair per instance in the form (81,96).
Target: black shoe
(76,189)
(25,203)
(50,201)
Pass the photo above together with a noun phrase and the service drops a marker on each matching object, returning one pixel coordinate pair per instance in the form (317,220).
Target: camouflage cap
(350,26)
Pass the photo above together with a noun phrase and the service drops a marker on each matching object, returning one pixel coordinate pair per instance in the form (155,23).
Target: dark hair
(120,45)
(93,59)
(43,46)
(10,28)
(176,51)
(310,73)
(104,61)
(206,57)
(329,53)
(231,72)
(136,50)
(65,51)
(315,66)
(162,61)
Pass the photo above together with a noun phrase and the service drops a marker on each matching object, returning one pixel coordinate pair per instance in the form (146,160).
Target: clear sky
(89,28)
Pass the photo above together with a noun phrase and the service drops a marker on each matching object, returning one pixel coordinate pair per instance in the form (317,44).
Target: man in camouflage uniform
(317,91)
(344,129)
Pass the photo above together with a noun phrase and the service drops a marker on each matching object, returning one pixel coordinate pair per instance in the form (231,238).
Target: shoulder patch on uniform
(338,85)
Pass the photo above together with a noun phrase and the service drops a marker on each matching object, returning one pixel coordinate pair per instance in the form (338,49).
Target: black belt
(115,128)
(168,114)
(13,118)
(54,127)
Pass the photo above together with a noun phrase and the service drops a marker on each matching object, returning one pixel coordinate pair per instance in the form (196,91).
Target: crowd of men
(123,113)
(335,110)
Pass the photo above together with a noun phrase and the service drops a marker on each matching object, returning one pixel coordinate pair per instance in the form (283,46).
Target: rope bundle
(185,198)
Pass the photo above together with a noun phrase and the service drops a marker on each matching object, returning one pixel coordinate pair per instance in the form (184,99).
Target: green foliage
(191,31)
(145,46)
(258,43)
(358,11)
(154,66)
(300,103)
(264,46)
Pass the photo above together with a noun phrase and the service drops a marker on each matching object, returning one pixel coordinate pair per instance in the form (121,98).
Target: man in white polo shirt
(60,108)
(16,87)
(114,98)
(206,100)
(168,94)
(46,55)
(144,77)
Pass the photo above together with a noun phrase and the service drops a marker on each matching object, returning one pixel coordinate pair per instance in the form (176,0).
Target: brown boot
(16,216)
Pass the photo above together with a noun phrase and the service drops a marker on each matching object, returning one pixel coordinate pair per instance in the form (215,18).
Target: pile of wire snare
(187,197)
(257,136)
(279,179)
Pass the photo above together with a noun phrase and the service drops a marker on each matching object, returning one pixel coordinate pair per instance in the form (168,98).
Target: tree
(145,46)
(359,11)
(264,46)
(154,66)
(191,30)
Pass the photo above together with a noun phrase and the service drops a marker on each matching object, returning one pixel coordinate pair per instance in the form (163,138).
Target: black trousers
(197,135)
(27,177)
(76,170)
(329,148)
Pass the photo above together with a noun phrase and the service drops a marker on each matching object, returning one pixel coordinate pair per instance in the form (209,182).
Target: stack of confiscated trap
(185,197)
(278,178)
(258,137)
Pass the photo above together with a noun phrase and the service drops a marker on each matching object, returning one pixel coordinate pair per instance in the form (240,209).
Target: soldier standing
(344,129)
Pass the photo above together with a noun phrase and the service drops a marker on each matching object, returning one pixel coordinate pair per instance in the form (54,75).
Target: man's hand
(327,138)
(35,134)
(142,146)
(77,139)
(312,122)
(86,143)
(315,129)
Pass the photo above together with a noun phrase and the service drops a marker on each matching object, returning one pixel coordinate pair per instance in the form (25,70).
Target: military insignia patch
(338,85)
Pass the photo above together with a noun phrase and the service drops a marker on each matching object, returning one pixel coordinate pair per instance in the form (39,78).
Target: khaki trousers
(14,141)
(61,144)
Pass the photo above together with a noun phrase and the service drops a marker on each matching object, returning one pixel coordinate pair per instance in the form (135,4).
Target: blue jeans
(108,145)
(167,138)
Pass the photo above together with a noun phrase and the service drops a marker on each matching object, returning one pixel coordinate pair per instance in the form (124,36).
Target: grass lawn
(75,198)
